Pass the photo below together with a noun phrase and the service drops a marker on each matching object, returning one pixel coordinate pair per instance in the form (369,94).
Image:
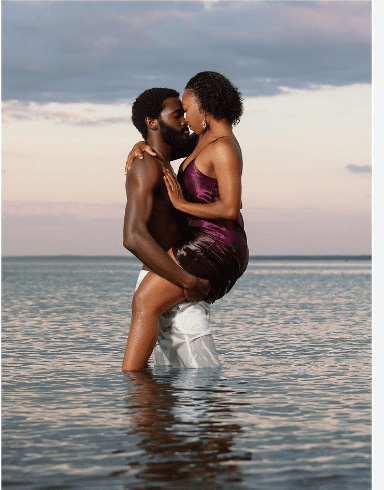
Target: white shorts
(185,338)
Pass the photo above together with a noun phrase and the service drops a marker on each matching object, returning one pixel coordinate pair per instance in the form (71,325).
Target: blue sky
(72,69)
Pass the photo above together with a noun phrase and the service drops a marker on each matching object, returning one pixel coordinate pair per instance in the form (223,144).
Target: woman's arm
(227,164)
(138,151)
(141,147)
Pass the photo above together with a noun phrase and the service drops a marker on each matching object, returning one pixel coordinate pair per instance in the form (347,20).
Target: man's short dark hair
(150,104)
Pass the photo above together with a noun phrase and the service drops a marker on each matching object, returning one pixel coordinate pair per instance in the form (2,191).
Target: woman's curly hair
(150,104)
(217,96)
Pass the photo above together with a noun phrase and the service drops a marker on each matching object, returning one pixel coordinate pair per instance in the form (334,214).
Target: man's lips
(184,132)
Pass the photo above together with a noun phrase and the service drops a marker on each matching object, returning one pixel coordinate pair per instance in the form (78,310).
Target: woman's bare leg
(153,297)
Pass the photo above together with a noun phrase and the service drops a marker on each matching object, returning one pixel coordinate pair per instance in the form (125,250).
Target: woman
(208,190)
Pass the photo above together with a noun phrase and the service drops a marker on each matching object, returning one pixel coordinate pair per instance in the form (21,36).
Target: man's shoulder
(148,161)
(147,168)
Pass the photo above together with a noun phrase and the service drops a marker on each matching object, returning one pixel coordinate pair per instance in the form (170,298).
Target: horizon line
(251,257)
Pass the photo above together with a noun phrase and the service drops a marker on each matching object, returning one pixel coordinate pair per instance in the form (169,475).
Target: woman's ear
(208,118)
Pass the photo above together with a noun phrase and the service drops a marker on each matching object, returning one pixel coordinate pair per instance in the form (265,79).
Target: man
(152,225)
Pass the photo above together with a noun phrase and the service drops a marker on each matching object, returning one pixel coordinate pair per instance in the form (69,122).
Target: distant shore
(310,257)
(259,258)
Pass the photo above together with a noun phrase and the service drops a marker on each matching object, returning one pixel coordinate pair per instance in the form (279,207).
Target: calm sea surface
(289,409)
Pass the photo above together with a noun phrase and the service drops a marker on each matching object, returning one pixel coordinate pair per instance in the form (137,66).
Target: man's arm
(141,182)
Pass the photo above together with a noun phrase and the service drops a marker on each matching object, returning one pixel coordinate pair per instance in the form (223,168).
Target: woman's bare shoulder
(225,148)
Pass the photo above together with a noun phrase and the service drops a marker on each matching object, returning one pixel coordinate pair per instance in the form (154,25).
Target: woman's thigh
(156,295)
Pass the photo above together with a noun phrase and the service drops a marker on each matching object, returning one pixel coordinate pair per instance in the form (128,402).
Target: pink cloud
(77,115)
(299,20)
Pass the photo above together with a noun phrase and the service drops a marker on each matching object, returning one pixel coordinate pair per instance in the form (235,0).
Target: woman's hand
(138,151)
(174,190)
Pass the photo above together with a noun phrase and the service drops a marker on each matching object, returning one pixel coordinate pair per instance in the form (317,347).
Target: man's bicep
(141,182)
(139,207)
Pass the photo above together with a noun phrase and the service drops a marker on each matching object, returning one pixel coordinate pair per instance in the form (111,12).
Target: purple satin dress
(211,249)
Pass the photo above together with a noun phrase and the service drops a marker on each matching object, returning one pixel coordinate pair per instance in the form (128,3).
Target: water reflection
(295,387)
(185,430)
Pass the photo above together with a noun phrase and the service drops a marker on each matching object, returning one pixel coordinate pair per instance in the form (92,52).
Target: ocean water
(289,409)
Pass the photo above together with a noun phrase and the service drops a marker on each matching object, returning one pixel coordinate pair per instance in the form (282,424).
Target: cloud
(359,169)
(110,51)
(75,114)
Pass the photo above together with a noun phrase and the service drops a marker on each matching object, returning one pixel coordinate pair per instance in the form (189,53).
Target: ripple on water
(289,409)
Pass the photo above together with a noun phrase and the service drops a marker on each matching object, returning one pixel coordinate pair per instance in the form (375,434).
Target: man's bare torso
(164,223)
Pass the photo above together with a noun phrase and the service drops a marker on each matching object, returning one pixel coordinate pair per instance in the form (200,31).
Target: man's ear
(152,123)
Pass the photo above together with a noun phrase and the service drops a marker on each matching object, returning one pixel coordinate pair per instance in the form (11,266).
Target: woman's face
(193,114)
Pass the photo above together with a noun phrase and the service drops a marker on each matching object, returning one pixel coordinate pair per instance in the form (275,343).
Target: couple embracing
(187,231)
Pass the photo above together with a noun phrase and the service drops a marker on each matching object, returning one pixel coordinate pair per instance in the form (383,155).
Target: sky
(71,70)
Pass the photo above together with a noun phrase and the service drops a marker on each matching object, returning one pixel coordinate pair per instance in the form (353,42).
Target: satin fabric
(200,188)
(211,249)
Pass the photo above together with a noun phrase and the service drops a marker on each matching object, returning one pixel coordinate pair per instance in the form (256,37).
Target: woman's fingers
(149,150)
(167,184)
(174,190)
(141,147)
(128,164)
(132,155)
(170,188)
(138,151)
(170,180)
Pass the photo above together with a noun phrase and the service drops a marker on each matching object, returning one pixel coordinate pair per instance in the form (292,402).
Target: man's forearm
(150,253)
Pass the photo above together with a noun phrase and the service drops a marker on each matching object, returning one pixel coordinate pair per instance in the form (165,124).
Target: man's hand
(138,151)
(197,292)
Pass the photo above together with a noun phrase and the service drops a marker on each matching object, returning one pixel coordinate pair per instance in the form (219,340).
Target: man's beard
(172,136)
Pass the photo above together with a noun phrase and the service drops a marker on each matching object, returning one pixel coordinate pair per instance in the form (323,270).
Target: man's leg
(154,296)
(185,338)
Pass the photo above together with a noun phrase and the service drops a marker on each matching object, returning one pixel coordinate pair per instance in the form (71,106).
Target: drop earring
(204,124)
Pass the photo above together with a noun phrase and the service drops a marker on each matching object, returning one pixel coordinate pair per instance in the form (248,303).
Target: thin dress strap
(194,158)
